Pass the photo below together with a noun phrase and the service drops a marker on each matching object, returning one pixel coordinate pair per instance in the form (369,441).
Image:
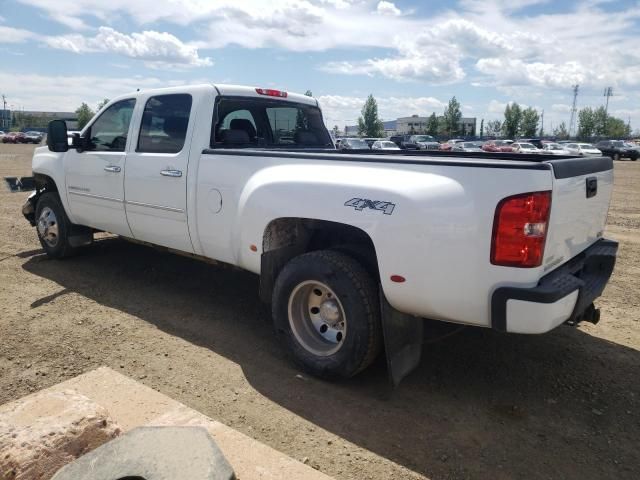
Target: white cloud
(496,107)
(156,48)
(66,93)
(345,110)
(493,44)
(437,69)
(561,108)
(388,8)
(15,35)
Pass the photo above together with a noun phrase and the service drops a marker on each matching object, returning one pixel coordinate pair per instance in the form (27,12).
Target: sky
(413,56)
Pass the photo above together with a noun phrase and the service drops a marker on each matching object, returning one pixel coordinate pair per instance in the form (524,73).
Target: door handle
(112,168)
(171,173)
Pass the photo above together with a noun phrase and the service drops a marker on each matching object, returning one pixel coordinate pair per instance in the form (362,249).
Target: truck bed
(562,166)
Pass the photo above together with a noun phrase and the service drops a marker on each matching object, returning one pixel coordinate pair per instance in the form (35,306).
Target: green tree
(561,131)
(432,125)
(617,128)
(452,116)
(494,127)
(102,104)
(84,114)
(512,120)
(529,122)
(600,122)
(369,124)
(586,123)
(481,128)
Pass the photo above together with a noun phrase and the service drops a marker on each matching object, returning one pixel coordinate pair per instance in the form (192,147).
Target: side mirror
(57,136)
(80,143)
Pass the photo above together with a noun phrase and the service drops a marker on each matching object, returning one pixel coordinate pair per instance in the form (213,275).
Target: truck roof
(230,90)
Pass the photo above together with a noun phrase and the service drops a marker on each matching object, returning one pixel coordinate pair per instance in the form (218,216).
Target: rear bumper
(564,295)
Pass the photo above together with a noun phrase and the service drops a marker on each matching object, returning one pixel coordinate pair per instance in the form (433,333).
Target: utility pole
(542,124)
(607,93)
(574,108)
(4,111)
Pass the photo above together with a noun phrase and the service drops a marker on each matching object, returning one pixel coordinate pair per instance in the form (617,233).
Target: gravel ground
(481,405)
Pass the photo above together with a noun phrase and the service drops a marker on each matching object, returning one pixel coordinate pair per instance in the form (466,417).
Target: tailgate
(580,201)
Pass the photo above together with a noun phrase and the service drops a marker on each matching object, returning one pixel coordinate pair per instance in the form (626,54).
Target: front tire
(616,156)
(53,226)
(327,314)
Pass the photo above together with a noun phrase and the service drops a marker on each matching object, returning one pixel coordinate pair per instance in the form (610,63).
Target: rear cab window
(265,123)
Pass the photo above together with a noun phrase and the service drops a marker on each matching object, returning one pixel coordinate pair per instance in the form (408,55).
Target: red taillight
(271,93)
(520,230)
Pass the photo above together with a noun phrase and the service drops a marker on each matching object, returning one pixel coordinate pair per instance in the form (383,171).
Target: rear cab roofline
(244,91)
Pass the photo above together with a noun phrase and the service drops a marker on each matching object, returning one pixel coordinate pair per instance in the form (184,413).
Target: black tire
(616,156)
(61,247)
(357,295)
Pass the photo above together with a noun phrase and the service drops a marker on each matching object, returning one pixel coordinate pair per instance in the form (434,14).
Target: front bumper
(564,295)
(29,209)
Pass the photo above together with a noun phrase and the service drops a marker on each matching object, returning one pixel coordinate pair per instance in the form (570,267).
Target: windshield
(251,123)
(469,145)
(527,146)
(389,145)
(617,143)
(424,138)
(586,145)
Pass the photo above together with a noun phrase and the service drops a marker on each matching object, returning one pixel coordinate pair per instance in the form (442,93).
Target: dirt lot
(481,404)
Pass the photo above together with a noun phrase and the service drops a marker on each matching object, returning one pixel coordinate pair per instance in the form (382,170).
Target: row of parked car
(21,137)
(615,149)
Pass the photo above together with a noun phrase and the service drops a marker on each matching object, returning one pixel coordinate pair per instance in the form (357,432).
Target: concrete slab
(131,404)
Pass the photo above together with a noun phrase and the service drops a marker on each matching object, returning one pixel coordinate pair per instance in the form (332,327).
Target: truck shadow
(480,405)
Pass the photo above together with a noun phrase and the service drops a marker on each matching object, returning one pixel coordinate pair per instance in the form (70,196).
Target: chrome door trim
(157,207)
(98,197)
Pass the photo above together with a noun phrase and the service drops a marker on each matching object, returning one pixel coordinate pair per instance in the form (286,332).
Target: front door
(156,173)
(95,176)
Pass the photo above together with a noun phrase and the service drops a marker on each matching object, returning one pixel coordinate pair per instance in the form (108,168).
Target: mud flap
(402,335)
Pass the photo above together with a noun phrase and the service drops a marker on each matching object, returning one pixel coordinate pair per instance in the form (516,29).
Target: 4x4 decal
(362,203)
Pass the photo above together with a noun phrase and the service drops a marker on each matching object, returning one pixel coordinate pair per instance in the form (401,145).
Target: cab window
(163,128)
(109,132)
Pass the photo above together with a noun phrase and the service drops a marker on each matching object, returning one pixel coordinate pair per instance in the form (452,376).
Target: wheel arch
(45,182)
(288,237)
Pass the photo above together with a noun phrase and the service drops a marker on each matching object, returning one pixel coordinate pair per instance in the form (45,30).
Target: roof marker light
(271,93)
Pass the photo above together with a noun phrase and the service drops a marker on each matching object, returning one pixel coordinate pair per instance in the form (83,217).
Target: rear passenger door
(156,172)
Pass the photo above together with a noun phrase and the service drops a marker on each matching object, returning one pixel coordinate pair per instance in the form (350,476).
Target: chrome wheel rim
(317,318)
(48,227)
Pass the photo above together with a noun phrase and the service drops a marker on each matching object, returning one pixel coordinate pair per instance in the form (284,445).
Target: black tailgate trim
(575,167)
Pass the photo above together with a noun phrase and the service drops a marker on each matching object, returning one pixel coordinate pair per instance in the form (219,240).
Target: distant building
(468,126)
(389,129)
(70,118)
(412,124)
(5,119)
(418,124)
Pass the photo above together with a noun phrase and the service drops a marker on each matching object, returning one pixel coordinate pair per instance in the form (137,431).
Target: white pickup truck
(354,249)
